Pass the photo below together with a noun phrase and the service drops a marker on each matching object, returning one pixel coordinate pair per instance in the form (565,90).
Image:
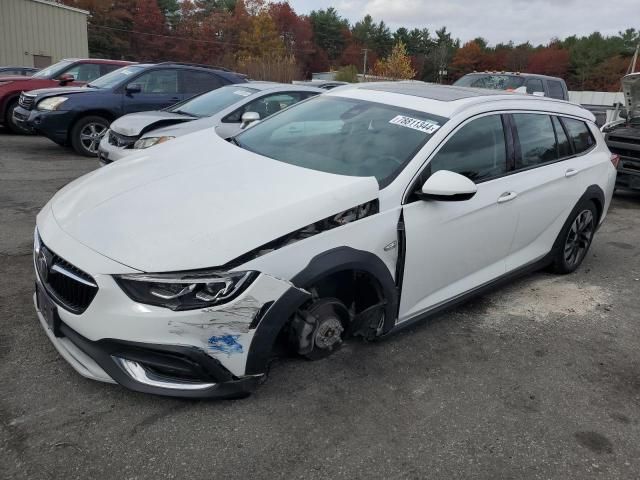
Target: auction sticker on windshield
(425,126)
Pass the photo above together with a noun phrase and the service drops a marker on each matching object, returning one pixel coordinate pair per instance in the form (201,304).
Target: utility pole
(364,69)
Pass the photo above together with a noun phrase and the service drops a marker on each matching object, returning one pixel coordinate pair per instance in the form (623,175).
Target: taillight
(615,159)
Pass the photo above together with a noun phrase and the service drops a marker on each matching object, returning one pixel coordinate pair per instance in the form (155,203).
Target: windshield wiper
(234,141)
(182,112)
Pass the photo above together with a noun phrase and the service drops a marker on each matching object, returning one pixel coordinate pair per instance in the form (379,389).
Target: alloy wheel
(579,238)
(91,135)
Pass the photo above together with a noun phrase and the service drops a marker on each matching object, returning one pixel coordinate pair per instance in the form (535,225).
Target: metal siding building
(37,33)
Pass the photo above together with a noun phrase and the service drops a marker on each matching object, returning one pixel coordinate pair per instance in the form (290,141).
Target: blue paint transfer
(225,344)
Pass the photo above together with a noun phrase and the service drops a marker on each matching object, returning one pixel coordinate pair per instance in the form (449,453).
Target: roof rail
(189,64)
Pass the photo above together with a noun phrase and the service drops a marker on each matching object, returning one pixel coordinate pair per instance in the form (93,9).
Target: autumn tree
(148,29)
(397,65)
(467,59)
(261,39)
(549,61)
(328,31)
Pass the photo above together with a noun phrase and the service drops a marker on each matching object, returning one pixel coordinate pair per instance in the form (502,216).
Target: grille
(625,152)
(69,286)
(635,141)
(26,101)
(121,141)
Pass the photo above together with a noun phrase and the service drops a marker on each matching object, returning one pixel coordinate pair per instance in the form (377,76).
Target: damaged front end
(623,136)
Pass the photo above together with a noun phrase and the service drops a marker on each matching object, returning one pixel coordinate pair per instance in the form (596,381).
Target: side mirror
(249,117)
(133,88)
(623,113)
(66,78)
(447,186)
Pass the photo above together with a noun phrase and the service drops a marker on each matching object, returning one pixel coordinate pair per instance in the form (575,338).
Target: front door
(453,247)
(158,90)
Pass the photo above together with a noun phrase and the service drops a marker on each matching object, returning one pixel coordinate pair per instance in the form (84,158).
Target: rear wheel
(10,123)
(87,133)
(576,237)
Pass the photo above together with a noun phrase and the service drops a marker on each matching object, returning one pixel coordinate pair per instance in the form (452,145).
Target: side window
(478,150)
(534,85)
(555,89)
(108,68)
(194,81)
(265,106)
(158,81)
(579,134)
(564,147)
(84,72)
(537,139)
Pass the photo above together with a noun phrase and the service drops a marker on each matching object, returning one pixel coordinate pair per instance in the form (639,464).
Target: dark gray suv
(552,87)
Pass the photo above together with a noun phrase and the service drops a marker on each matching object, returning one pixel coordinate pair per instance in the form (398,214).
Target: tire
(8,120)
(86,134)
(575,238)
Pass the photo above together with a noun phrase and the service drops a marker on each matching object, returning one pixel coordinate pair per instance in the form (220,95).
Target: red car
(67,72)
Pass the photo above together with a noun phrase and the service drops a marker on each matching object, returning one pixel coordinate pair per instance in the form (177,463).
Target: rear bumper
(52,124)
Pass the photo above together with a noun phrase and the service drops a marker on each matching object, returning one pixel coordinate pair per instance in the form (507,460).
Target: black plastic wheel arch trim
(332,261)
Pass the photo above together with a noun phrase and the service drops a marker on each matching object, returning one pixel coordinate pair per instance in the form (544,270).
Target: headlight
(185,291)
(51,103)
(150,142)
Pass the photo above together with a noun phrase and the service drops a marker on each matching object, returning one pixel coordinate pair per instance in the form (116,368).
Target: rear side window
(194,81)
(555,89)
(564,147)
(477,151)
(537,139)
(579,134)
(534,85)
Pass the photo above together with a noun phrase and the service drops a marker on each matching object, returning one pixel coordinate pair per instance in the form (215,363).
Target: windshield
(54,70)
(114,78)
(494,82)
(212,102)
(343,136)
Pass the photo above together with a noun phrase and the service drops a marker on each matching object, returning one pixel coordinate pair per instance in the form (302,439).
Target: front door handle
(571,172)
(507,197)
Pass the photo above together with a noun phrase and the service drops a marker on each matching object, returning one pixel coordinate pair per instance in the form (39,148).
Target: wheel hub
(579,238)
(328,333)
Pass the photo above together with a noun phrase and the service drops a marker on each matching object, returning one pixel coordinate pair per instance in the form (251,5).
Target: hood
(188,125)
(198,202)
(135,124)
(631,88)
(50,92)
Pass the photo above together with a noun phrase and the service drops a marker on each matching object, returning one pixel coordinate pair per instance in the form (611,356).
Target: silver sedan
(228,110)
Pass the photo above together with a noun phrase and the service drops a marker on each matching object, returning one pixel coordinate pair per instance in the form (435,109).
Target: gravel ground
(538,380)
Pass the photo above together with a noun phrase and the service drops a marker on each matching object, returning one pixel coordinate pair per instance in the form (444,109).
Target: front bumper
(109,153)
(220,351)
(53,124)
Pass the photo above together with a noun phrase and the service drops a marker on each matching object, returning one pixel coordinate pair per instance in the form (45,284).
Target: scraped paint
(225,344)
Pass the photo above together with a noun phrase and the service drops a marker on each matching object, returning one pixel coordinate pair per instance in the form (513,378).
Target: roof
(448,101)
(60,5)
(260,85)
(515,74)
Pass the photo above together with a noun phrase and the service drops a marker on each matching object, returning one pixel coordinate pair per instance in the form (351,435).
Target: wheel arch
(99,112)
(325,265)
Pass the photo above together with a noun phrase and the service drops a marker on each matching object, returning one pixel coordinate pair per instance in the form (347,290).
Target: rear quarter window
(555,89)
(579,134)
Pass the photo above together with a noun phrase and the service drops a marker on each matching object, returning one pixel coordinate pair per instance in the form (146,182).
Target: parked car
(324,84)
(22,71)
(623,136)
(80,116)
(348,214)
(228,110)
(70,71)
(534,84)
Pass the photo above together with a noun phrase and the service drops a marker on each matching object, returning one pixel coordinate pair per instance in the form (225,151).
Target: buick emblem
(43,265)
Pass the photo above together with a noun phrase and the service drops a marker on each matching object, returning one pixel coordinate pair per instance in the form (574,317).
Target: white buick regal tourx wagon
(180,270)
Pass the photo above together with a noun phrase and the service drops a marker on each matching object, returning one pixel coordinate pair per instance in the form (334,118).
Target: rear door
(159,88)
(194,82)
(547,180)
(453,247)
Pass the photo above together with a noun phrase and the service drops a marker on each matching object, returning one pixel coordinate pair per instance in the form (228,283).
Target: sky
(537,21)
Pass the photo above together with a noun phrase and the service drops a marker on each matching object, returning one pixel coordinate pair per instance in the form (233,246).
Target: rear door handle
(571,172)
(507,197)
